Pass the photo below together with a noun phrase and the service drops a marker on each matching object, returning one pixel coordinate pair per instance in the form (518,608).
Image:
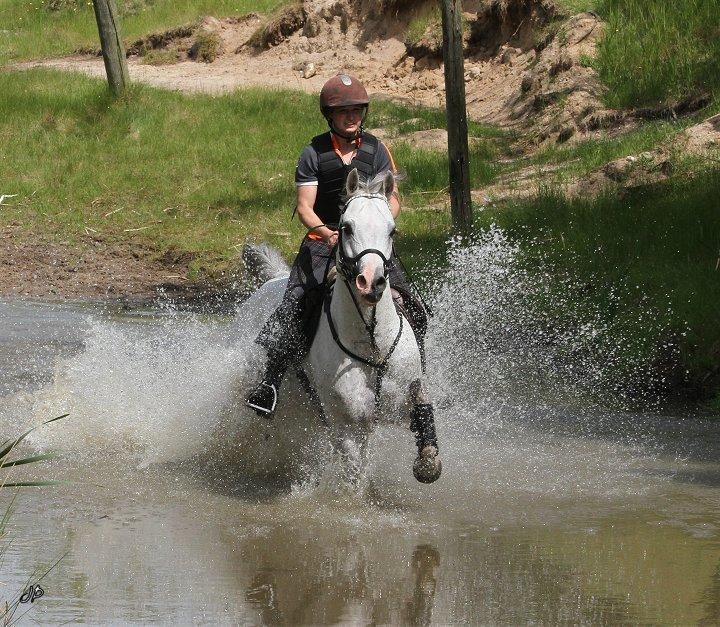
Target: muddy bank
(33,267)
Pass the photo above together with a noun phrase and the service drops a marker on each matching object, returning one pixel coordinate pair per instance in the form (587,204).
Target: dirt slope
(523,66)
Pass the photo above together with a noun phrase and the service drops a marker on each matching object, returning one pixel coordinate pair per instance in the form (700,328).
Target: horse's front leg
(427,466)
(351,447)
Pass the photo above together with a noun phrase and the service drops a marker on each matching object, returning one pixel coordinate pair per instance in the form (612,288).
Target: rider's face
(347,119)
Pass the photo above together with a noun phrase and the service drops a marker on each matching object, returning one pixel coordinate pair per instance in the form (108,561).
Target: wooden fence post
(455,105)
(113,50)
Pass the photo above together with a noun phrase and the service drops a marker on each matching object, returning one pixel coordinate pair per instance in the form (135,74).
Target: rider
(320,181)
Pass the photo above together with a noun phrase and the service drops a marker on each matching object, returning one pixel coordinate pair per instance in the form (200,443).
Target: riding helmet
(342,90)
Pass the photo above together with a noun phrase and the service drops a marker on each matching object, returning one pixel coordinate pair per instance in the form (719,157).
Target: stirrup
(263,399)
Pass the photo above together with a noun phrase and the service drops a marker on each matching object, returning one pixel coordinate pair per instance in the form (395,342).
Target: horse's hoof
(427,466)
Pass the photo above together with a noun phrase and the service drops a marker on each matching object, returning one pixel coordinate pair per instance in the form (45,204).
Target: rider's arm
(395,203)
(306,195)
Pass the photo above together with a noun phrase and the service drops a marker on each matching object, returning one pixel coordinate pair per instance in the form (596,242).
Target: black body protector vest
(332,173)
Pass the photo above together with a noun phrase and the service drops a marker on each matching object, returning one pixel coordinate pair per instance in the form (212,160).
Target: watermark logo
(32,593)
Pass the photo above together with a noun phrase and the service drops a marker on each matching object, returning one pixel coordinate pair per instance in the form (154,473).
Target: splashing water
(535,518)
(507,333)
(171,388)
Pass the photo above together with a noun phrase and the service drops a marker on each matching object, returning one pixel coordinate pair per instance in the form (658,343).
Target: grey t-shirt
(306,172)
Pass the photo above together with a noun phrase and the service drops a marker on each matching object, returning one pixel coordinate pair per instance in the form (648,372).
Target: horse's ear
(388,184)
(353,182)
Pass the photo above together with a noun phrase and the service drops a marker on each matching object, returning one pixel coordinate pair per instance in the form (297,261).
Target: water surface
(182,509)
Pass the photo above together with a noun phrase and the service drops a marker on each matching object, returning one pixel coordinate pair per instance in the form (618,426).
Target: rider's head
(344,102)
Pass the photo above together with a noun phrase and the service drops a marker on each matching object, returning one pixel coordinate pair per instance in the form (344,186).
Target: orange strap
(392,160)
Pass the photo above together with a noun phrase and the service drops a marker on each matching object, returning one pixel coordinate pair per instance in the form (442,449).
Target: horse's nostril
(361,282)
(380,283)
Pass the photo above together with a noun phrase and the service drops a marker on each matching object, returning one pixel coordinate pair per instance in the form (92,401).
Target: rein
(347,270)
(382,365)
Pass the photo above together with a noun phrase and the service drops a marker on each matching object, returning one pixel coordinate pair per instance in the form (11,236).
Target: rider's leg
(280,337)
(287,333)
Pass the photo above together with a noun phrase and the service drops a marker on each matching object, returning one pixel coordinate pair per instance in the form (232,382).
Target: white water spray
(171,388)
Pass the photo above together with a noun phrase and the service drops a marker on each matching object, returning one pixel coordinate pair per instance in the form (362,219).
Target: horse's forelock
(373,186)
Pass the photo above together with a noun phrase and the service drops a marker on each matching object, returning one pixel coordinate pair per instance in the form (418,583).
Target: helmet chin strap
(352,139)
(348,138)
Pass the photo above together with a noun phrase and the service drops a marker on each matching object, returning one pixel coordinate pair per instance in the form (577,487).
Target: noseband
(348,267)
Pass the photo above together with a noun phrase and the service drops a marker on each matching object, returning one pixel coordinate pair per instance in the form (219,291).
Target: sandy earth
(31,267)
(508,82)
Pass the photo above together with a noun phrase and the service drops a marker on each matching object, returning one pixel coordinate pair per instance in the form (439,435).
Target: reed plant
(8,450)
(9,607)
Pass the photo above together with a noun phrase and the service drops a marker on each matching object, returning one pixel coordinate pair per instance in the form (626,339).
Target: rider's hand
(332,239)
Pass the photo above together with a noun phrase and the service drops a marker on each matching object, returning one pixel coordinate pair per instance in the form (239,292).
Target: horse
(364,362)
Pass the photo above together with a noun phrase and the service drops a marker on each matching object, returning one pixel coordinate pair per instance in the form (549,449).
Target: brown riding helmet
(342,90)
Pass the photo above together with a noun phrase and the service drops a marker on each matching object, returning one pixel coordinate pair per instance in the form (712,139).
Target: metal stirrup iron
(259,408)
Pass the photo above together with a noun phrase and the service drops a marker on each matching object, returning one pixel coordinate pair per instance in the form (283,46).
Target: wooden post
(458,153)
(113,50)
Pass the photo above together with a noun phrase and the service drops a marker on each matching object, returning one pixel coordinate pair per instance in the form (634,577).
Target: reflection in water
(424,561)
(711,601)
(165,550)
(261,594)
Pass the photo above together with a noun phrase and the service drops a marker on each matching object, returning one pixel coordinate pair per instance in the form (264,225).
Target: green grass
(658,52)
(160,57)
(591,154)
(29,29)
(196,174)
(419,25)
(650,262)
(573,7)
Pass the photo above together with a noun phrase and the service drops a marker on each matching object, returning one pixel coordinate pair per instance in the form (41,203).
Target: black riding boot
(282,337)
(263,399)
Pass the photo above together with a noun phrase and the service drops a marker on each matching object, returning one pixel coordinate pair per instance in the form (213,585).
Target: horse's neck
(351,328)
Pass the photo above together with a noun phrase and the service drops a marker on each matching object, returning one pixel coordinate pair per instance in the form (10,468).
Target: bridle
(348,267)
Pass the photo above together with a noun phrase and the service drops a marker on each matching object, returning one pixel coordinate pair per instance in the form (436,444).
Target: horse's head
(366,231)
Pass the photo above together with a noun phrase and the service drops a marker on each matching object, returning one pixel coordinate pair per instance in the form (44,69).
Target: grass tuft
(657,52)
(283,23)
(427,25)
(206,47)
(160,57)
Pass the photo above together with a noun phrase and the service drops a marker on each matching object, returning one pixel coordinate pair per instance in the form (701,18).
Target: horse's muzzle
(371,282)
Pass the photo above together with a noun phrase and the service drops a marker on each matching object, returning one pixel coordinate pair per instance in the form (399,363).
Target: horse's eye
(347,229)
